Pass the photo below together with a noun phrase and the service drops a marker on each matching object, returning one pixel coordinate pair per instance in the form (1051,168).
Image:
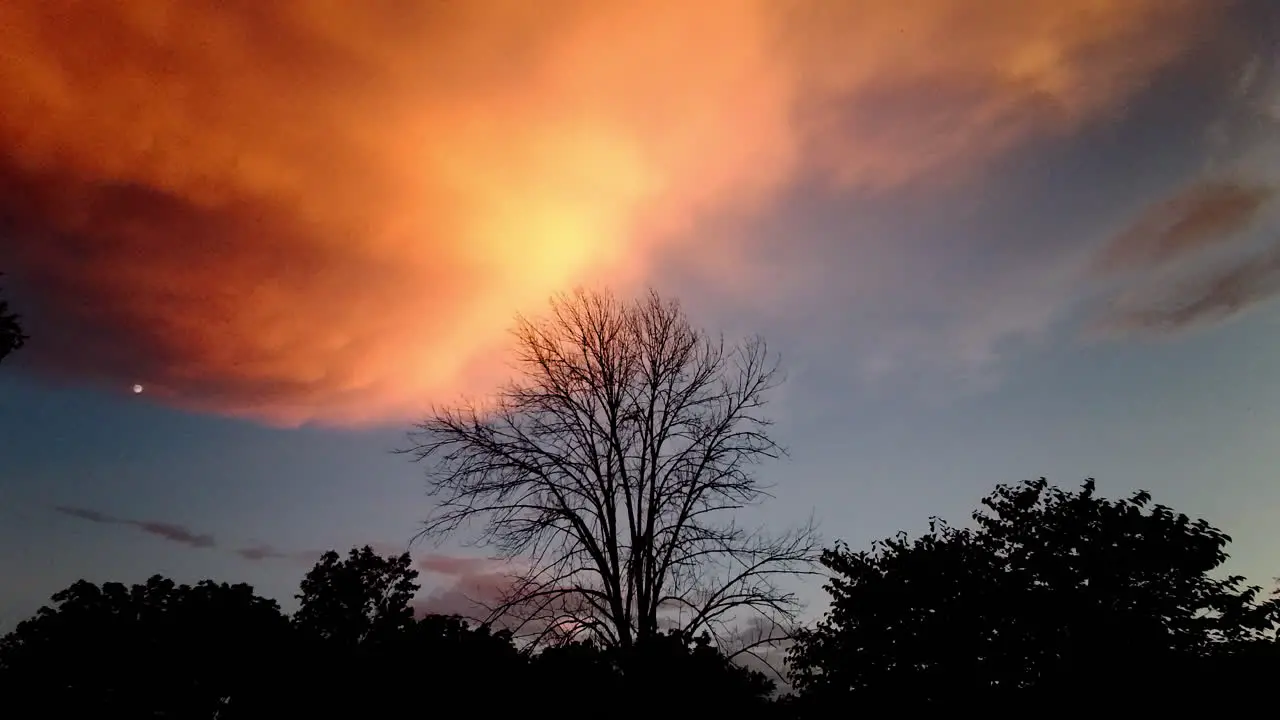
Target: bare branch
(611,468)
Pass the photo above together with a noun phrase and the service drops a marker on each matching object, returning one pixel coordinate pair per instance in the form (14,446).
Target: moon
(137,389)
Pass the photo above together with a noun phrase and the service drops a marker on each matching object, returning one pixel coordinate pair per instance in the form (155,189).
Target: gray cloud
(478,584)
(453,564)
(1213,296)
(470,596)
(163,530)
(267,552)
(83,514)
(461,568)
(1201,216)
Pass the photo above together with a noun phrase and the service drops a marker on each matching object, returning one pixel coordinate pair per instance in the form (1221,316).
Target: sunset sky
(991,239)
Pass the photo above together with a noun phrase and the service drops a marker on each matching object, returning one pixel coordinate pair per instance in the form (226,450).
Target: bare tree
(609,472)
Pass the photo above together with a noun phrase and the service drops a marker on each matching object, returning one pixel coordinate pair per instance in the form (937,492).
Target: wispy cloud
(470,595)
(1209,251)
(1214,295)
(163,530)
(454,564)
(259,552)
(451,569)
(466,586)
(1201,216)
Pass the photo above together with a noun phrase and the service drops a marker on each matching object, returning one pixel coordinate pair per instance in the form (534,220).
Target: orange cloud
(318,210)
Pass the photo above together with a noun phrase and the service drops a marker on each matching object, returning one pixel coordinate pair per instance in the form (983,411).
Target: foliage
(361,599)
(1051,592)
(611,468)
(12,337)
(668,669)
(356,630)
(217,650)
(145,650)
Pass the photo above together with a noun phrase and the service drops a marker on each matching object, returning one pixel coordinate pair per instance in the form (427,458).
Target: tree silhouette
(11,336)
(711,681)
(153,650)
(214,650)
(610,469)
(651,675)
(356,633)
(361,599)
(476,663)
(466,649)
(1053,595)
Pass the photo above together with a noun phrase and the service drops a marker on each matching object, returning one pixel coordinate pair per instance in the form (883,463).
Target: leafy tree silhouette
(365,598)
(465,650)
(219,651)
(477,664)
(357,636)
(670,671)
(712,682)
(11,336)
(153,650)
(351,620)
(1066,597)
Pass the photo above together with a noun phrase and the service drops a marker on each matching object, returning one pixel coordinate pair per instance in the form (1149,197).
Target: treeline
(1050,600)
(353,648)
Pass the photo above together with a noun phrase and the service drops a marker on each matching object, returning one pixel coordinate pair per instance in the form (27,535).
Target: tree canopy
(213,650)
(364,598)
(670,672)
(357,634)
(1050,592)
(135,651)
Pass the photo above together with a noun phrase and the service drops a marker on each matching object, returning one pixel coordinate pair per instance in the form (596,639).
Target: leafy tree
(355,625)
(1052,594)
(219,651)
(361,599)
(710,680)
(11,336)
(463,648)
(610,469)
(666,672)
(150,650)
(468,661)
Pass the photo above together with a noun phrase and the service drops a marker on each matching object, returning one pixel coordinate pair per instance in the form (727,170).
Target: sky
(991,241)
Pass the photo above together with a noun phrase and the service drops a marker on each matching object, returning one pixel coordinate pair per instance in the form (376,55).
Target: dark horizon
(988,244)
